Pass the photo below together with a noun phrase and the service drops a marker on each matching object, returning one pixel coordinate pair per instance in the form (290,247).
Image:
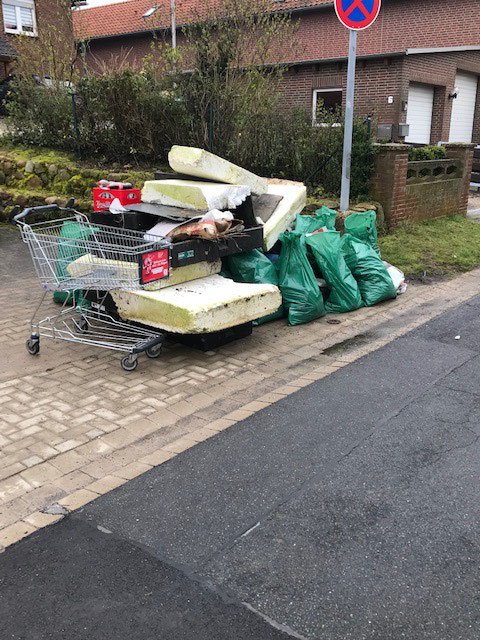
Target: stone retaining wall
(28,182)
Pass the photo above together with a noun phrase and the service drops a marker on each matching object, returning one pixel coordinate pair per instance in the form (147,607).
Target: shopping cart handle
(43,209)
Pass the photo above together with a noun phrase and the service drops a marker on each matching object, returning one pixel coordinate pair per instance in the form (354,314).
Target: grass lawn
(438,248)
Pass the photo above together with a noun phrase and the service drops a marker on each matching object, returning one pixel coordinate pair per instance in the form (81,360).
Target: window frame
(315,122)
(18,5)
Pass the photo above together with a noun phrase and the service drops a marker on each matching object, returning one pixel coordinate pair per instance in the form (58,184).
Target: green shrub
(430,152)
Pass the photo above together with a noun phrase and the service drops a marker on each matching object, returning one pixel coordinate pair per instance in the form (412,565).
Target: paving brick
(157,457)
(15,532)
(239,414)
(183,408)
(10,470)
(220,424)
(142,427)
(72,481)
(163,418)
(69,461)
(32,461)
(119,438)
(13,487)
(199,435)
(104,485)
(40,520)
(133,470)
(78,499)
(182,444)
(269,398)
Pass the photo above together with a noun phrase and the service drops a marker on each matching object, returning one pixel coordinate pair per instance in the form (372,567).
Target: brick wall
(402,24)
(421,190)
(51,14)
(54,23)
(377,79)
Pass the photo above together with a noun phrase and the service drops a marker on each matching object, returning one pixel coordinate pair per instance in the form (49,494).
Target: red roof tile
(126,16)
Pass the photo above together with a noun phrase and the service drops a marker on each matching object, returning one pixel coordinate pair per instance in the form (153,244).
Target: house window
(19,16)
(326,99)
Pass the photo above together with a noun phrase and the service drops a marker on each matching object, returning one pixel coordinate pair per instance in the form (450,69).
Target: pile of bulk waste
(239,250)
(320,271)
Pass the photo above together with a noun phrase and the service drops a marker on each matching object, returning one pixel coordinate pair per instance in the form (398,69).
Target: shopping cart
(73,256)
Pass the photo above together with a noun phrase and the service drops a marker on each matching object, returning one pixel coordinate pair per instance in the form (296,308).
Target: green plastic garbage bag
(344,292)
(254,267)
(364,227)
(373,279)
(323,217)
(70,248)
(302,297)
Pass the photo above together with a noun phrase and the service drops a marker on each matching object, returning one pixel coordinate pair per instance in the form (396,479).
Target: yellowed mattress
(202,306)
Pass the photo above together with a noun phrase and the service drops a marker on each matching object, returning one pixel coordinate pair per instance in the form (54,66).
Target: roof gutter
(370,56)
(469,47)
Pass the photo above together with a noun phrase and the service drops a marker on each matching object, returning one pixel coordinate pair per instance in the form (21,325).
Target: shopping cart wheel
(33,346)
(83,325)
(155,351)
(129,363)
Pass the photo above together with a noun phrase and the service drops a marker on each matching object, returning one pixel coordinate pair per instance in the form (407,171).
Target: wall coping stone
(459,145)
(391,146)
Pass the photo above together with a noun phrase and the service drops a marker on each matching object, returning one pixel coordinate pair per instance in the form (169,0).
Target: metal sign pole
(347,141)
(173,14)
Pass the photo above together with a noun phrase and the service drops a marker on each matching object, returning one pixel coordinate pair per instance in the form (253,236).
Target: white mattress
(293,202)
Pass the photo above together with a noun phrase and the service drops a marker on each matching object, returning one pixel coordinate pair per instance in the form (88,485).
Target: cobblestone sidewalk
(73,425)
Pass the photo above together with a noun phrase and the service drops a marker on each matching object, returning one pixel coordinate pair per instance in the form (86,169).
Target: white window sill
(15,32)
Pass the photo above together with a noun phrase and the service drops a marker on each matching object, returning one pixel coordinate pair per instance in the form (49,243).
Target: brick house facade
(35,19)
(410,62)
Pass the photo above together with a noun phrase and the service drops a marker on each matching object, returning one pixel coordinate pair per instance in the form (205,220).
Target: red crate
(103,198)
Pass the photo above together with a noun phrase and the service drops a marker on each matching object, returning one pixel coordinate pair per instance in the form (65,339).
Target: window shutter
(26,16)
(9,16)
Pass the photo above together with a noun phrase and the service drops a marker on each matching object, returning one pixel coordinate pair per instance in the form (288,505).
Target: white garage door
(419,113)
(463,108)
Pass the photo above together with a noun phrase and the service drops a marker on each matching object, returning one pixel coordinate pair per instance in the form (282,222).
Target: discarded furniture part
(203,306)
(189,194)
(215,339)
(344,292)
(195,228)
(264,206)
(83,267)
(372,277)
(294,199)
(203,164)
(53,245)
(148,213)
(302,297)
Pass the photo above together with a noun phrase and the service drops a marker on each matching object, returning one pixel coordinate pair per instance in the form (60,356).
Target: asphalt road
(348,510)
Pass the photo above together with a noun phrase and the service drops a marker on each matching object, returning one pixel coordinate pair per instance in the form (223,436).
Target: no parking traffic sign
(357,14)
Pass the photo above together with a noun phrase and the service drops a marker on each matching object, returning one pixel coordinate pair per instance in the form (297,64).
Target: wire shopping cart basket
(73,256)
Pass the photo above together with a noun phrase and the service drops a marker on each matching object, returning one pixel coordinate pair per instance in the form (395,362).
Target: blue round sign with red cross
(357,14)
